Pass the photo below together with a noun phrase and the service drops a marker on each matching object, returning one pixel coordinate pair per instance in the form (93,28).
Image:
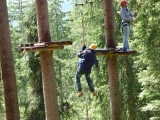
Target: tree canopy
(138,73)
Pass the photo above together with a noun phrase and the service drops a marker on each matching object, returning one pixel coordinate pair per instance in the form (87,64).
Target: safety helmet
(123,2)
(93,46)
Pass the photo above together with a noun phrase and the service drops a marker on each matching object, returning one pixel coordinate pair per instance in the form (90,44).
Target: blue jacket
(126,15)
(87,59)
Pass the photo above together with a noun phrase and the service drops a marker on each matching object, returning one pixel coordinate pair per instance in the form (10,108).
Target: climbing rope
(22,23)
(83,29)
(82,21)
(82,15)
(138,7)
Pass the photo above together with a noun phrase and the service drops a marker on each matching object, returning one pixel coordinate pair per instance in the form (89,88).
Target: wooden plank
(53,44)
(39,44)
(106,54)
(102,50)
(108,49)
(48,44)
(26,45)
(109,52)
(58,43)
(37,49)
(119,47)
(125,52)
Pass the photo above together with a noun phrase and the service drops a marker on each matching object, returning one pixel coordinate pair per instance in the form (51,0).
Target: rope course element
(22,22)
(83,29)
(108,52)
(82,15)
(139,6)
(137,9)
(81,11)
(36,47)
(113,52)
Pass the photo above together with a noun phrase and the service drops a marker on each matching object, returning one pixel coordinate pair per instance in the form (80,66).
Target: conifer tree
(7,66)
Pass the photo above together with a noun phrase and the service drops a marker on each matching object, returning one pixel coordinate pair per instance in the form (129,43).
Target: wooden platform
(36,47)
(114,52)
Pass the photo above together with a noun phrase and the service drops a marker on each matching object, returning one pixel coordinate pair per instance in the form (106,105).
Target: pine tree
(7,66)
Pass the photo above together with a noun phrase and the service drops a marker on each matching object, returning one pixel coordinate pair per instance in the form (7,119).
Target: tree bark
(7,66)
(112,61)
(130,91)
(109,24)
(114,88)
(48,77)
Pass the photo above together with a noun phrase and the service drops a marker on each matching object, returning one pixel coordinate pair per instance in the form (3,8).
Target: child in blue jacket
(85,63)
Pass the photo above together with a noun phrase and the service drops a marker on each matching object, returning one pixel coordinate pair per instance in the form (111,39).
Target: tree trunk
(48,77)
(130,91)
(112,61)
(7,66)
(114,88)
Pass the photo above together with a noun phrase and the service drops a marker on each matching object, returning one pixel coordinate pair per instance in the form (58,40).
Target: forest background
(138,74)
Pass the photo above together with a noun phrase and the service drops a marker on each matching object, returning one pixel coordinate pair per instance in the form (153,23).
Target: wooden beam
(90,2)
(26,45)
(79,4)
(46,44)
(114,52)
(37,49)
(53,44)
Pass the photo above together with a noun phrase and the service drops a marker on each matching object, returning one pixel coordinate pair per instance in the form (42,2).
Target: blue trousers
(126,32)
(81,72)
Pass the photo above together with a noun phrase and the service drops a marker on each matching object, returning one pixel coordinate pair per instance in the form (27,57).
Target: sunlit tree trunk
(7,66)
(112,61)
(48,77)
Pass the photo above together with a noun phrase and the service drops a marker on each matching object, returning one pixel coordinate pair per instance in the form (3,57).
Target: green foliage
(146,42)
(2,105)
(139,81)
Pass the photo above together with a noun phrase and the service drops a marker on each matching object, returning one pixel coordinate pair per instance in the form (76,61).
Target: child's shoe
(80,93)
(93,93)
